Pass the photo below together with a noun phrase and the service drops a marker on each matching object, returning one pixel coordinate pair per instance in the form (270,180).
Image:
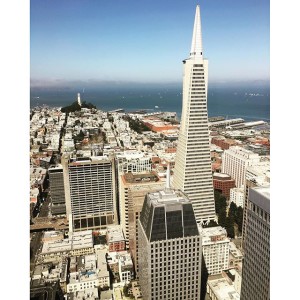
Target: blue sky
(146,40)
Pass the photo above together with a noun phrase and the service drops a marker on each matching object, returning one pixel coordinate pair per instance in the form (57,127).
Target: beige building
(132,191)
(78,243)
(215,249)
(90,192)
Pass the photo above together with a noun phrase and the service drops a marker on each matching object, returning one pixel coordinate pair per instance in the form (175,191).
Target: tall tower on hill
(193,173)
(78,99)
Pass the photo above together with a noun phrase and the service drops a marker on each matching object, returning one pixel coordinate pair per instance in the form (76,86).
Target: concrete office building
(193,171)
(256,263)
(57,190)
(90,192)
(170,247)
(215,249)
(235,160)
(132,190)
(257,175)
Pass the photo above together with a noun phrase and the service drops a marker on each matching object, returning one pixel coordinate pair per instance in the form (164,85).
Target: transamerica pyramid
(193,172)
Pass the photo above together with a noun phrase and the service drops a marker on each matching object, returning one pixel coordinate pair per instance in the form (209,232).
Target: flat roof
(223,290)
(208,235)
(167,196)
(76,240)
(261,197)
(141,178)
(114,233)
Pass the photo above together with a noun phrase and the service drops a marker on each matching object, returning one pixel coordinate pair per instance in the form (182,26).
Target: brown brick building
(223,183)
(223,143)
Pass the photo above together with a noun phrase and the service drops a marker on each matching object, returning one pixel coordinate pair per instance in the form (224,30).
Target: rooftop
(76,240)
(234,251)
(223,290)
(141,177)
(221,175)
(213,234)
(88,160)
(169,196)
(114,233)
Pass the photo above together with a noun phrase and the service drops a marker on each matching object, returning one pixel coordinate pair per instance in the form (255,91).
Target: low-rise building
(51,272)
(78,243)
(115,238)
(235,256)
(234,275)
(121,265)
(106,295)
(222,142)
(223,183)
(89,293)
(219,288)
(215,249)
(88,275)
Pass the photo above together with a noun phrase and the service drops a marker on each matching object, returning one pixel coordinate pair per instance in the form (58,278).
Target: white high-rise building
(193,172)
(235,160)
(237,196)
(215,249)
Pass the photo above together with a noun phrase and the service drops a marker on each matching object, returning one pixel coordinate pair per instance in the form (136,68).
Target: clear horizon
(91,41)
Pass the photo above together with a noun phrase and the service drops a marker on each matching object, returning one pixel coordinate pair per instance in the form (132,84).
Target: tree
(222,217)
(79,137)
(220,201)
(229,225)
(232,209)
(77,122)
(239,218)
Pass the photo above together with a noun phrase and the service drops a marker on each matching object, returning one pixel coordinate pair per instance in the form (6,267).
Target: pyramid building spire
(196,48)
(193,171)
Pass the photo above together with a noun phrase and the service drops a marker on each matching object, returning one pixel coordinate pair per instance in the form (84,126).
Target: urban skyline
(107,245)
(145,41)
(15,56)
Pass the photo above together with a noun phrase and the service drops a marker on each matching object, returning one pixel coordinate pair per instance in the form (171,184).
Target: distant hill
(76,107)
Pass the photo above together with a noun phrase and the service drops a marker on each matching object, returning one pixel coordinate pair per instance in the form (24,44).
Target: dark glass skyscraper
(169,247)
